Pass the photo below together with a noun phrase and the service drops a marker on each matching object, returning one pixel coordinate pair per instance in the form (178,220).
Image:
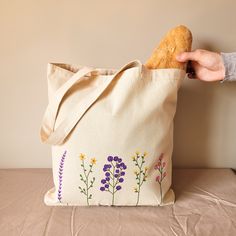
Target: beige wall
(109,33)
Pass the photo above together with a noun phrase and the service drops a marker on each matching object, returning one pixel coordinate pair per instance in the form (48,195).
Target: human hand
(208,66)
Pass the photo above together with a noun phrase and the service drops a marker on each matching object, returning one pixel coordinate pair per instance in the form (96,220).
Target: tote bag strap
(53,136)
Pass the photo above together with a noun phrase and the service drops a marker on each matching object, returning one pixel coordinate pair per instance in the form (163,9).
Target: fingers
(187,56)
(208,66)
(204,74)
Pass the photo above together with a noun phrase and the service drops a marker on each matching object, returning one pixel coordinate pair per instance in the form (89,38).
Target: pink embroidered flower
(158,178)
(160,166)
(161,157)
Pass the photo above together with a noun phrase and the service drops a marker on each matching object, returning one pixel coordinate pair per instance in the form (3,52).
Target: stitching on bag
(114,176)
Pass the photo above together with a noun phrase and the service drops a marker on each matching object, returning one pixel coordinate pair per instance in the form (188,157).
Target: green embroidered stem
(113,186)
(141,174)
(160,166)
(114,172)
(161,192)
(85,178)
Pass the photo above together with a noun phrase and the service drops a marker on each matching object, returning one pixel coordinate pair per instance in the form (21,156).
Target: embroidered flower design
(60,172)
(114,176)
(160,166)
(93,161)
(140,172)
(85,177)
(82,156)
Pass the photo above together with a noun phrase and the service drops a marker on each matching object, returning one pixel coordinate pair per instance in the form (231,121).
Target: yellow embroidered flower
(133,158)
(145,154)
(93,161)
(136,172)
(137,152)
(82,156)
(146,168)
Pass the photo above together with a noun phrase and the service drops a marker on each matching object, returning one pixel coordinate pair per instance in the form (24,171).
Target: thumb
(187,56)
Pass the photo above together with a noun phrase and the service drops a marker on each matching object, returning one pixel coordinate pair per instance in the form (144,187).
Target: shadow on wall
(192,124)
(205,122)
(205,127)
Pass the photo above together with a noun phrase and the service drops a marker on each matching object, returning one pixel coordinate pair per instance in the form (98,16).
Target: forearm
(230,66)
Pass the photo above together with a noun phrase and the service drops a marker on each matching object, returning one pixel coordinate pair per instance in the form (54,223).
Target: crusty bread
(177,40)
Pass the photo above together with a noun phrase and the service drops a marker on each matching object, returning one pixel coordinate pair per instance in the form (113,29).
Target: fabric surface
(205,205)
(229,60)
(111,134)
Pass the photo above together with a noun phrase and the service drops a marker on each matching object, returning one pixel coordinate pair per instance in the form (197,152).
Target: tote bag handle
(48,133)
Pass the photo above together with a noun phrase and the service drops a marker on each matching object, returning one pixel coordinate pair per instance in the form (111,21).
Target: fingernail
(191,75)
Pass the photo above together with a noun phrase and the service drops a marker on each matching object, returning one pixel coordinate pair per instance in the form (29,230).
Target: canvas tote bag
(111,133)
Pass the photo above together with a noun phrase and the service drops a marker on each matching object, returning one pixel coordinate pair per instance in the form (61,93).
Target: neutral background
(109,33)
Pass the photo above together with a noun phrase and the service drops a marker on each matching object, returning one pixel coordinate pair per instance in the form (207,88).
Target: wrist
(222,68)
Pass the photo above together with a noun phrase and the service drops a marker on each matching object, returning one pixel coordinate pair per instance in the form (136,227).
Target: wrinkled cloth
(205,205)
(229,60)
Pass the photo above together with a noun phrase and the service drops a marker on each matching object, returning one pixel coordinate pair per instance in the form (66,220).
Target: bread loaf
(177,40)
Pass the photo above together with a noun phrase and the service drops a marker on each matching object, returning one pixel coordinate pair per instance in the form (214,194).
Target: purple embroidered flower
(118,187)
(123,166)
(113,173)
(60,177)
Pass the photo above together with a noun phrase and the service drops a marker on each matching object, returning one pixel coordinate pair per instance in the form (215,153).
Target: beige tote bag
(111,134)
